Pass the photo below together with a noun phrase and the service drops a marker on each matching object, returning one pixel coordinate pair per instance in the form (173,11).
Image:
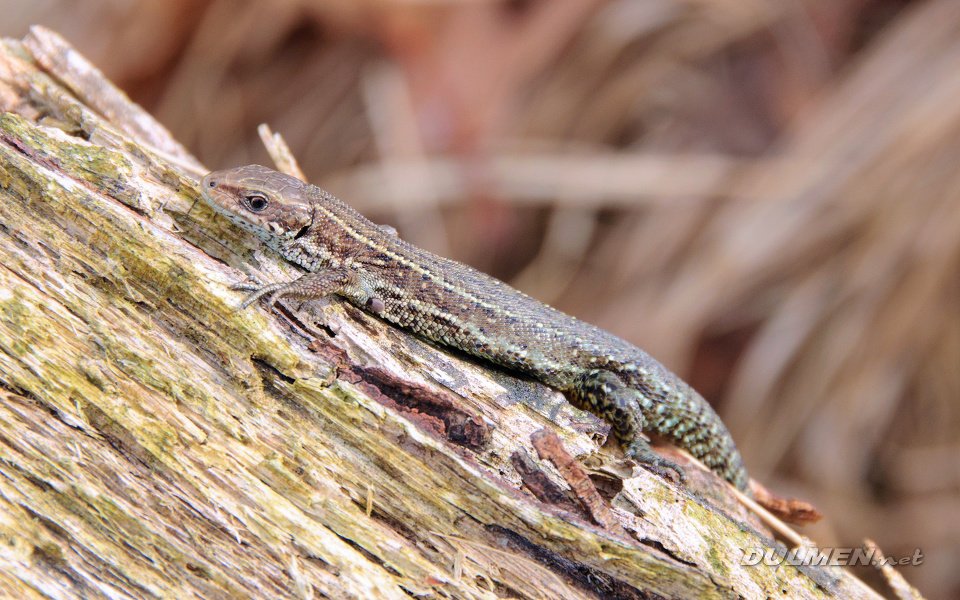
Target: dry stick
(765,515)
(280,152)
(895,580)
(772,522)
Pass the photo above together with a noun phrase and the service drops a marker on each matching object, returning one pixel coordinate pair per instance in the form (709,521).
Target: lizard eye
(256,202)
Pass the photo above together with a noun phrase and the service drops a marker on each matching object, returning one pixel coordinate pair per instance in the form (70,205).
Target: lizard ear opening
(302,232)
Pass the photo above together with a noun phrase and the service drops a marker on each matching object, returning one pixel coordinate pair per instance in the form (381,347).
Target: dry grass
(764,194)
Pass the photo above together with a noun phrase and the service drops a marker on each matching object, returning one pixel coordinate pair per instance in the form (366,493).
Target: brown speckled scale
(456,305)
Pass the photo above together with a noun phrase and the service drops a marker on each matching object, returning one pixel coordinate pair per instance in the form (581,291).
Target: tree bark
(157,443)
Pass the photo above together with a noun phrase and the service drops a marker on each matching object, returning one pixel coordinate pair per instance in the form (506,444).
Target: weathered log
(156,443)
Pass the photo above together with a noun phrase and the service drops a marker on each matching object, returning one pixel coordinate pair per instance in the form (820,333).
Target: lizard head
(273,206)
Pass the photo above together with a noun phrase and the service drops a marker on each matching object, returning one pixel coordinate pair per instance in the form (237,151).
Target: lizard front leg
(607,396)
(316,285)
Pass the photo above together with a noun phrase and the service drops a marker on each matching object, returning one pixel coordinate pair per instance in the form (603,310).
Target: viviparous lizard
(455,305)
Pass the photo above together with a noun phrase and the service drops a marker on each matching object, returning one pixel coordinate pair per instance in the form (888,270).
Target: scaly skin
(455,305)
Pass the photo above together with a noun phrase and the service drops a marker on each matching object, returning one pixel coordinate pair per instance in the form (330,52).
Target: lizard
(452,304)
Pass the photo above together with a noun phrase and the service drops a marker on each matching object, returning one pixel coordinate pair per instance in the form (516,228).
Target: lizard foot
(257,291)
(641,452)
(312,286)
(248,285)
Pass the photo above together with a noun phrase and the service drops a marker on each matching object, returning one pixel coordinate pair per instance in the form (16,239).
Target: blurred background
(763,194)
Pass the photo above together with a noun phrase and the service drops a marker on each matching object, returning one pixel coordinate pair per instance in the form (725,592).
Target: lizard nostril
(212,183)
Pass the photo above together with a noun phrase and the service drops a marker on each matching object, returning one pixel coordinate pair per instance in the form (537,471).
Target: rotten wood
(550,447)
